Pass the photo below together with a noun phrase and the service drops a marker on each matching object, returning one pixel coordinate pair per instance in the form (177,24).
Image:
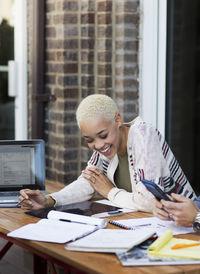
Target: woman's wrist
(49,202)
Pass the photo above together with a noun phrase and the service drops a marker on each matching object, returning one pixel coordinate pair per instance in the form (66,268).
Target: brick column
(91,47)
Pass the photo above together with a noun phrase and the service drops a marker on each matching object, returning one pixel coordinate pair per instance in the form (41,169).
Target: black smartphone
(155,190)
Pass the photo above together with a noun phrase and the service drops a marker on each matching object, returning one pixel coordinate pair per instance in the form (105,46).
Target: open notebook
(22,165)
(59,227)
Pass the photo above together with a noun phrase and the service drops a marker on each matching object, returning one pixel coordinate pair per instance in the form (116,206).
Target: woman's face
(102,135)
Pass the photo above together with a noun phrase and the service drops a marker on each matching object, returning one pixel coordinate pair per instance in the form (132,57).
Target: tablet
(87,208)
(155,190)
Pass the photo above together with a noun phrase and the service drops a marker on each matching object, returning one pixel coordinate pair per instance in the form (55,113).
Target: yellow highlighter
(179,246)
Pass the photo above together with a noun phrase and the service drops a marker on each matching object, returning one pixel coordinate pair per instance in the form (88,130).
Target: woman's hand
(183,209)
(98,180)
(34,199)
(159,210)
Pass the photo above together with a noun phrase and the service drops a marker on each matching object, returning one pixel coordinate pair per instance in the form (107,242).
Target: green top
(122,175)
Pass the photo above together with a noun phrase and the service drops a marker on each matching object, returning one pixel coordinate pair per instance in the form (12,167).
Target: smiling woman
(124,154)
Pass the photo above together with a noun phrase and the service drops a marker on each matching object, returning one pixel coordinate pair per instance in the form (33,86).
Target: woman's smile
(106,151)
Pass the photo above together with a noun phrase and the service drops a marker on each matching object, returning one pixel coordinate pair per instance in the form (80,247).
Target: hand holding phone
(155,190)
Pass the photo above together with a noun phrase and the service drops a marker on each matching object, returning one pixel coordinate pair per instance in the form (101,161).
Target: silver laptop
(22,165)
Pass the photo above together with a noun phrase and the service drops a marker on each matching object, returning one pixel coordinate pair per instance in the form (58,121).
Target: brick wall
(91,47)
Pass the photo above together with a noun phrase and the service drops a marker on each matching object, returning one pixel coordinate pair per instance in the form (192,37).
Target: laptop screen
(22,165)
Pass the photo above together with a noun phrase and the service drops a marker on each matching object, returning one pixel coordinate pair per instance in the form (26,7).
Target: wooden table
(79,262)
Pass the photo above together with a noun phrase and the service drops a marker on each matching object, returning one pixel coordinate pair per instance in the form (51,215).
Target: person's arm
(78,191)
(140,199)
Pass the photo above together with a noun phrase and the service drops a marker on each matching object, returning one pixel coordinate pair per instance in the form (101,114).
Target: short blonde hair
(94,106)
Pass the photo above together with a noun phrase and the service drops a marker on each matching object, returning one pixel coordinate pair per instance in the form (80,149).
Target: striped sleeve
(94,159)
(177,182)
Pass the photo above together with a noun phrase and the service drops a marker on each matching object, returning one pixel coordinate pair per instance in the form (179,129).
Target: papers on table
(156,224)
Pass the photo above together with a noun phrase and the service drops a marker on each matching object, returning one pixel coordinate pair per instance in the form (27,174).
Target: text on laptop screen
(22,164)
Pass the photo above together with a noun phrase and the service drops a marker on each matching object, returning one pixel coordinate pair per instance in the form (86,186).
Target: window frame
(152,62)
(20,53)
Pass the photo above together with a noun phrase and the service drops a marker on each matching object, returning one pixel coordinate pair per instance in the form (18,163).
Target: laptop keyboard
(9,194)
(9,197)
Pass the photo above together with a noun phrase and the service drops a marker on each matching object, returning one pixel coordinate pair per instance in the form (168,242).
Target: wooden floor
(19,261)
(16,260)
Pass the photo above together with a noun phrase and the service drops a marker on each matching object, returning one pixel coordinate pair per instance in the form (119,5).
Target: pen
(20,202)
(69,221)
(179,246)
(141,225)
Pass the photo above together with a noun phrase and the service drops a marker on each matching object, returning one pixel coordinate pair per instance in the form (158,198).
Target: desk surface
(95,263)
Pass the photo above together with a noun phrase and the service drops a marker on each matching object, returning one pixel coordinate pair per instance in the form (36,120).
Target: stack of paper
(154,223)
